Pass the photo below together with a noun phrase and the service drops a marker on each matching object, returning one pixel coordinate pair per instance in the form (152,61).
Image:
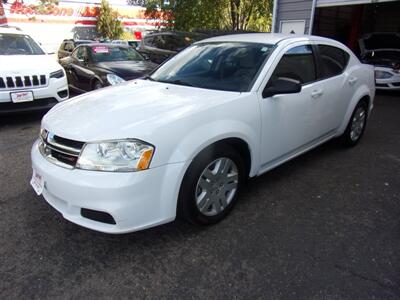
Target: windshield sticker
(101,49)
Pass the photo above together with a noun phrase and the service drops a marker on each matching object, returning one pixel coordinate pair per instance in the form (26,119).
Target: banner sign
(17,11)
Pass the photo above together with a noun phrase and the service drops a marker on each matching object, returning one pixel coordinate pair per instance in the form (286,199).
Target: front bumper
(135,200)
(392,83)
(44,97)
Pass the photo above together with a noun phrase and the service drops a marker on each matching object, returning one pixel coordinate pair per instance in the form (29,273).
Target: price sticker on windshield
(101,49)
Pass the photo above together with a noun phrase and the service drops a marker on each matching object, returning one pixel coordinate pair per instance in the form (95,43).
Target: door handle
(353,80)
(316,93)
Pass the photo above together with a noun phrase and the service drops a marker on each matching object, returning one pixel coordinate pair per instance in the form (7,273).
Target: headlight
(114,79)
(382,74)
(57,74)
(116,156)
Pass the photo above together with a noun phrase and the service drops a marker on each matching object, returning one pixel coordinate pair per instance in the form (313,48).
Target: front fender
(202,137)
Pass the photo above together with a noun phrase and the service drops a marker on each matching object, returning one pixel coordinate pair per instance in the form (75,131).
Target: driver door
(288,119)
(79,69)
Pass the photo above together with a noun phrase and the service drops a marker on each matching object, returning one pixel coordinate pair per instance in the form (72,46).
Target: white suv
(29,78)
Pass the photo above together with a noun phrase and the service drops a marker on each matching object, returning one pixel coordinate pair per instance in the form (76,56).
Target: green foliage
(108,24)
(43,6)
(210,14)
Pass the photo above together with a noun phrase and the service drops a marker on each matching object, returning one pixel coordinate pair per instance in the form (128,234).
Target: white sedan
(182,141)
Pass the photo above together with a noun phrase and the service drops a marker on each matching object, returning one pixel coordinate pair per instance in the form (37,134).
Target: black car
(67,46)
(97,65)
(160,46)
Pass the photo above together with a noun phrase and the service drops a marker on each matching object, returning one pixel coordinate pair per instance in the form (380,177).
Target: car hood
(389,58)
(375,41)
(27,64)
(134,109)
(128,69)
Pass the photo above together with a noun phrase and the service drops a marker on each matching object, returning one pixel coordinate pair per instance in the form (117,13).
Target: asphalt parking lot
(324,226)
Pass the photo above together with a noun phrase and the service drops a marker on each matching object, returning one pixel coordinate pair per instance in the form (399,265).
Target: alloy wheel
(217,186)
(357,123)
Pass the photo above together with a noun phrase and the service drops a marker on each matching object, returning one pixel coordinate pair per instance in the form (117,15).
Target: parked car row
(91,65)
(39,83)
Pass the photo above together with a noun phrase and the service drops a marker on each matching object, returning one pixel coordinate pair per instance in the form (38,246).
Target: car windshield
(226,66)
(18,44)
(104,53)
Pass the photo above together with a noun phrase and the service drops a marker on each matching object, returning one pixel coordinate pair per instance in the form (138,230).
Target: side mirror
(282,86)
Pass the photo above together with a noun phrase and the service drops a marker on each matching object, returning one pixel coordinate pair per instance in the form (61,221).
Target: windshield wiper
(178,81)
(148,77)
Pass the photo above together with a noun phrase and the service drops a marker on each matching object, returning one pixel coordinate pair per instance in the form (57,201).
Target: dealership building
(343,20)
(53,23)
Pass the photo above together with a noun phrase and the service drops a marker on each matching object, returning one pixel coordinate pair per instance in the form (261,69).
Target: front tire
(210,186)
(97,85)
(356,126)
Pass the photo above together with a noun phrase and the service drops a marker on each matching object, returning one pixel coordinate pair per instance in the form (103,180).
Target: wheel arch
(93,80)
(362,94)
(238,145)
(239,135)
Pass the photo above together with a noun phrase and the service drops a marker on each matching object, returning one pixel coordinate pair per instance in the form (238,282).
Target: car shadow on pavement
(21,118)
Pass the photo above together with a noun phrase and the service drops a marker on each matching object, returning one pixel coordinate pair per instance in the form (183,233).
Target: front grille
(381,85)
(15,82)
(396,83)
(58,150)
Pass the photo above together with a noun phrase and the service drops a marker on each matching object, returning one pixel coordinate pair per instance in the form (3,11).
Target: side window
(79,53)
(333,60)
(148,41)
(174,43)
(296,64)
(160,42)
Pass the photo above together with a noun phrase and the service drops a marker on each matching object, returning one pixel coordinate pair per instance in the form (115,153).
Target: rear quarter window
(333,60)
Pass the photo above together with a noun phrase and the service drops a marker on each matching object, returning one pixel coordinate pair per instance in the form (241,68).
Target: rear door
(337,86)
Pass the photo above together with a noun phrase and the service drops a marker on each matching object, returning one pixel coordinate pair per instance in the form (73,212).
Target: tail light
(138,35)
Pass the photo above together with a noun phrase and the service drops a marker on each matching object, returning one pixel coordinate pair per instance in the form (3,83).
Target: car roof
(104,44)
(265,38)
(11,30)
(177,33)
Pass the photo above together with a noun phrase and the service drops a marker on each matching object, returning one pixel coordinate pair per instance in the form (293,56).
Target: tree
(108,24)
(210,14)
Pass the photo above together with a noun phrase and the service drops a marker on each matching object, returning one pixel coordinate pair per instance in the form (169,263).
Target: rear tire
(210,186)
(356,126)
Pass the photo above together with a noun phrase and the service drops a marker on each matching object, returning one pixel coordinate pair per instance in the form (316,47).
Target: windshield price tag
(101,49)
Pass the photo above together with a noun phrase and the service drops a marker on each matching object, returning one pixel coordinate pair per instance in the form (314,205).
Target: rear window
(333,60)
